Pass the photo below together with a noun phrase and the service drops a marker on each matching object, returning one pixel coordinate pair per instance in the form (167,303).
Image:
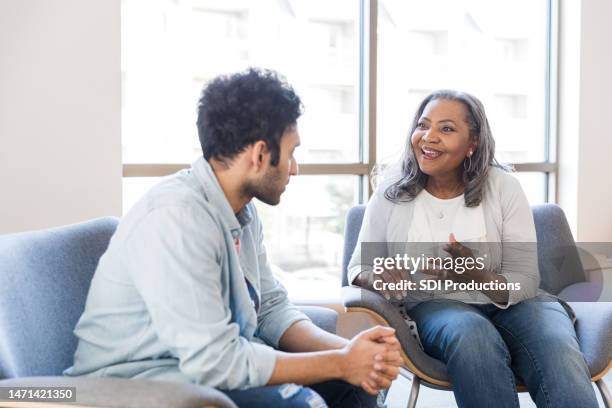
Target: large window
(360,67)
(173,47)
(495,50)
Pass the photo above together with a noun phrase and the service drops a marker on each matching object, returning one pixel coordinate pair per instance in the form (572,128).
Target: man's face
(272,183)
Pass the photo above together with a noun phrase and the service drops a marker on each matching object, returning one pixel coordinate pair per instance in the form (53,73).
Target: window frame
(367,116)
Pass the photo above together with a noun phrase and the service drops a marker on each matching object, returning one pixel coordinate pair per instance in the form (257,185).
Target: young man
(185,291)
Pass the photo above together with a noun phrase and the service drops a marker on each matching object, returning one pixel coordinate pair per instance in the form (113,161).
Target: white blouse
(504,216)
(435,219)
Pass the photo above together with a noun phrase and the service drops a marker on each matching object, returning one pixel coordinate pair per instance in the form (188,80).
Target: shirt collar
(214,194)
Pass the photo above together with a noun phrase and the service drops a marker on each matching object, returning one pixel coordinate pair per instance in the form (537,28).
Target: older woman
(451,190)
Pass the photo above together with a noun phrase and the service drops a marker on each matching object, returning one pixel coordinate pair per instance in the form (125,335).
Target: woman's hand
(456,250)
(366,280)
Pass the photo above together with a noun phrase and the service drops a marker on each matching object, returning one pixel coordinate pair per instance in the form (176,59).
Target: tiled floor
(430,398)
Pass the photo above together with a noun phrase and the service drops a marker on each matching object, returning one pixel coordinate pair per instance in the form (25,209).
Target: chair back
(352,226)
(44,280)
(558,258)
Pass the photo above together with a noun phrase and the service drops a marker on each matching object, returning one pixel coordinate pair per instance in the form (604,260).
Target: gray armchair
(564,274)
(44,280)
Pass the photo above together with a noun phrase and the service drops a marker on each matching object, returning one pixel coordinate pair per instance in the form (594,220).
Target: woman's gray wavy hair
(412,180)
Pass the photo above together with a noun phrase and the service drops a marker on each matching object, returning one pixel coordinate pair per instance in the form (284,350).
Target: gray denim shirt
(169,300)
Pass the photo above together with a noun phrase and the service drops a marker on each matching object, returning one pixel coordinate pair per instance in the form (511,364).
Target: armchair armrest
(127,393)
(323,317)
(417,361)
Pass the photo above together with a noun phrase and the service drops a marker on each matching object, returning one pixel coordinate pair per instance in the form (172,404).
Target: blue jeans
(334,394)
(487,349)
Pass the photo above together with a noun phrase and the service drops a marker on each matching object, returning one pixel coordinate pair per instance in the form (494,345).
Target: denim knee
(473,338)
(341,394)
(293,395)
(282,396)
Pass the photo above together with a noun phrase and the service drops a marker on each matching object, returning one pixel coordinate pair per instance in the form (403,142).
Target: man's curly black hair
(238,110)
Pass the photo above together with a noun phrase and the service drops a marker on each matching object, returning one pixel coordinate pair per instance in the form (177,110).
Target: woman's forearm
(498,296)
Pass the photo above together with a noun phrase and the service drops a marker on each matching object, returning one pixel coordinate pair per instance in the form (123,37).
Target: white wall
(60,112)
(60,104)
(585,146)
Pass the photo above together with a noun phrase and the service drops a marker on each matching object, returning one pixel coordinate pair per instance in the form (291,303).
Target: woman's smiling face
(441,139)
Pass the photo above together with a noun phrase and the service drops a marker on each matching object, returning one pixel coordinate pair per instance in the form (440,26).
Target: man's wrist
(338,363)
(340,343)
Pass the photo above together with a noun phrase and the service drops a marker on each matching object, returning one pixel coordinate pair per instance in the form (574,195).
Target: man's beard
(267,189)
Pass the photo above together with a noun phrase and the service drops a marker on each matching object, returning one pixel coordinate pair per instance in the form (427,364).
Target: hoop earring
(469,166)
